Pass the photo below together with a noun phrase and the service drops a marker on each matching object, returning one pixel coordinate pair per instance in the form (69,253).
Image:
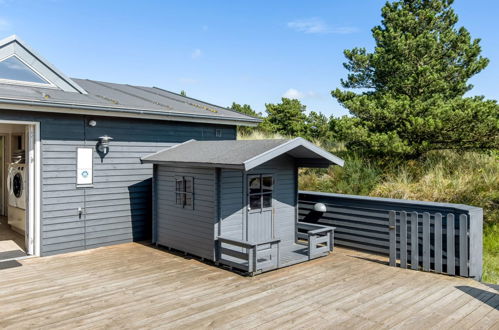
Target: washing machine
(16,188)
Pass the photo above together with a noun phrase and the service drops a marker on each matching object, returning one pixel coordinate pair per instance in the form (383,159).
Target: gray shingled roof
(241,154)
(103,95)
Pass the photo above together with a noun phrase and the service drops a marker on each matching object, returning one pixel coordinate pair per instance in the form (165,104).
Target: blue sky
(250,52)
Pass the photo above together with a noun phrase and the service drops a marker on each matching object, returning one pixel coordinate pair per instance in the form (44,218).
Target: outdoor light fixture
(92,123)
(319,207)
(103,145)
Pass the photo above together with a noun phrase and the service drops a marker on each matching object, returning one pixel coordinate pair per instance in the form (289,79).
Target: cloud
(4,24)
(293,93)
(316,25)
(196,53)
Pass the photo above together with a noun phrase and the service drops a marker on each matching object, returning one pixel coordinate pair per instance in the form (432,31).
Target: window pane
(267,183)
(255,202)
(254,185)
(13,69)
(188,199)
(178,199)
(179,186)
(267,200)
(188,185)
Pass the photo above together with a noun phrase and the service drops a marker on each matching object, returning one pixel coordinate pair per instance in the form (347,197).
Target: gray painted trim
(288,146)
(68,108)
(458,207)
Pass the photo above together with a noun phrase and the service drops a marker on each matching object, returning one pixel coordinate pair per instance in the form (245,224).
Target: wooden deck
(11,243)
(137,286)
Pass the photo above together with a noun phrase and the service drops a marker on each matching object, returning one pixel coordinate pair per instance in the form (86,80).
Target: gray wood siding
(185,229)
(231,204)
(233,200)
(284,196)
(118,208)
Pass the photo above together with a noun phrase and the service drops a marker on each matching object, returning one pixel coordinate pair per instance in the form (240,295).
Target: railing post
(255,258)
(392,227)
(250,260)
(310,246)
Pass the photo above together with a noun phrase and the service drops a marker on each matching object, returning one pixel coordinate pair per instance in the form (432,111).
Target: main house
(71,175)
(78,157)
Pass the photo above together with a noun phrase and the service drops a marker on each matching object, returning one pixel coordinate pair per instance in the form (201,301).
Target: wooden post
(463,245)
(451,268)
(403,239)
(414,241)
(392,228)
(426,241)
(438,242)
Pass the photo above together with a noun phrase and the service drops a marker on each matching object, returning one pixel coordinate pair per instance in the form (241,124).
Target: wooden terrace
(138,286)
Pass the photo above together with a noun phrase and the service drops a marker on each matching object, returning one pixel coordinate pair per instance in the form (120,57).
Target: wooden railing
(252,257)
(430,242)
(320,238)
(363,223)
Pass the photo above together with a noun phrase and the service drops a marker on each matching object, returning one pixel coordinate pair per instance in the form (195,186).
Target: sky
(249,52)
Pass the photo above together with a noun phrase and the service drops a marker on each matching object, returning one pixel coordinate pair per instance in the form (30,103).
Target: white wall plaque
(84,170)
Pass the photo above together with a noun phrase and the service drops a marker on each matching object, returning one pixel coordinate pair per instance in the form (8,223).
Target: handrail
(246,244)
(321,230)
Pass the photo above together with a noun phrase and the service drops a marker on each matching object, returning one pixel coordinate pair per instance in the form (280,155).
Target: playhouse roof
(243,154)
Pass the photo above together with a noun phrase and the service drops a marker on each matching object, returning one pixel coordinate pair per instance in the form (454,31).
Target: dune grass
(442,176)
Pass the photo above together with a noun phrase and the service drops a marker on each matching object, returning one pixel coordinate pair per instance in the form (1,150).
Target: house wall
(233,199)
(117,208)
(186,229)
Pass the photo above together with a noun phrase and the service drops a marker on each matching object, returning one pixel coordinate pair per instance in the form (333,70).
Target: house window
(184,192)
(13,69)
(218,133)
(260,188)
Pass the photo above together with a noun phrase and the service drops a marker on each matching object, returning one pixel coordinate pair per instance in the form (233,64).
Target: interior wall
(7,131)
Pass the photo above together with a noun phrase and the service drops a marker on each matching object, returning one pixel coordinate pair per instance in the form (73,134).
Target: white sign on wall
(84,170)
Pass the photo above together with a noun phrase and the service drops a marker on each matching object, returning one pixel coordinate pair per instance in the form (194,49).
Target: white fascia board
(288,146)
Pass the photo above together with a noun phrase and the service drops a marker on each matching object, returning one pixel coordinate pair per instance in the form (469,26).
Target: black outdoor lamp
(103,145)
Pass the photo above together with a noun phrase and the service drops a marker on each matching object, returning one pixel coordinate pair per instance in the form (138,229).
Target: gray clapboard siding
(120,198)
(363,223)
(185,229)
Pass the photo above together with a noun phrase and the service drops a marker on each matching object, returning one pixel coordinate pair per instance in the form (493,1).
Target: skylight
(12,68)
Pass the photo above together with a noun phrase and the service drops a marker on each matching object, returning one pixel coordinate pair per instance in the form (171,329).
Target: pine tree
(413,85)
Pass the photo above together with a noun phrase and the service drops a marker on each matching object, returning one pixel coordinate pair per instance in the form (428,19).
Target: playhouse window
(184,191)
(260,192)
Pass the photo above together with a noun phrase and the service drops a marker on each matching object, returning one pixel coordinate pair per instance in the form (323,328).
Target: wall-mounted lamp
(319,207)
(92,123)
(103,144)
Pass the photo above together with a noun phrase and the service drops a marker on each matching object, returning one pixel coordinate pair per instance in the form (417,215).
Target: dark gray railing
(320,238)
(363,223)
(252,257)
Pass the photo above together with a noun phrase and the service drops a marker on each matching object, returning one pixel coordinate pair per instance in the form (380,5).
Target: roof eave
(288,146)
(37,106)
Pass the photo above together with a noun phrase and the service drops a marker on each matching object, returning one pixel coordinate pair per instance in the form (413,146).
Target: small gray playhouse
(235,202)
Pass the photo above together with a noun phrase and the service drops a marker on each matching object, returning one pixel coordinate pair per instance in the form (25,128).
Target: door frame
(33,209)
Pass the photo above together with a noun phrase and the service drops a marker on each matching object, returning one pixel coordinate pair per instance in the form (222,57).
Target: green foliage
(247,110)
(183,93)
(413,86)
(286,118)
(317,127)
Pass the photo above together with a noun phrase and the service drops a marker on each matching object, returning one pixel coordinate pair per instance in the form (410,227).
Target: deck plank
(137,286)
